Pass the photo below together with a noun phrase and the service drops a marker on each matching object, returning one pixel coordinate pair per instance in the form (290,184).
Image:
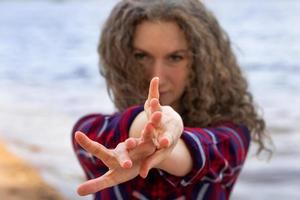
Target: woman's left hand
(167,131)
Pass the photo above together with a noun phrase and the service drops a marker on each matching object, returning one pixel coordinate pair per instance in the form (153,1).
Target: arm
(125,160)
(172,151)
(216,153)
(121,156)
(180,156)
(177,154)
(87,161)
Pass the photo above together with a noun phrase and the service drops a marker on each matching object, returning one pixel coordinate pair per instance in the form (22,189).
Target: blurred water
(49,78)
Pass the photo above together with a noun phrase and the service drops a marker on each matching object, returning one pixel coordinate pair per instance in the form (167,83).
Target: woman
(190,137)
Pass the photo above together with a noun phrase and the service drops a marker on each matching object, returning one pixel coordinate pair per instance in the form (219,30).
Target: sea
(49,78)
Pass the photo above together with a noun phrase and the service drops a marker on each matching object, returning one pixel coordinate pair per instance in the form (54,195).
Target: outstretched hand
(136,156)
(123,162)
(167,131)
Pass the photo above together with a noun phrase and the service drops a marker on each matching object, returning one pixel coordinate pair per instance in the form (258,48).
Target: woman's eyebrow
(171,52)
(138,49)
(180,51)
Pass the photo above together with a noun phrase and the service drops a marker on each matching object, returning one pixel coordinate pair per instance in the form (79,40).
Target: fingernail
(144,175)
(127,164)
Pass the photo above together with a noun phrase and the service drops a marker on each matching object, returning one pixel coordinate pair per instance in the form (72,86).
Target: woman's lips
(163,93)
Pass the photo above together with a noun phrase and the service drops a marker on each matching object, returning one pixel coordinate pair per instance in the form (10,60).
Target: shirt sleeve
(218,154)
(108,130)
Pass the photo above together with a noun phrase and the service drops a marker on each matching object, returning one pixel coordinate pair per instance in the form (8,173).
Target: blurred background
(49,78)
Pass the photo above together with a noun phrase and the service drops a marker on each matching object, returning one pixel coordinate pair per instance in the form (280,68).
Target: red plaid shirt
(218,156)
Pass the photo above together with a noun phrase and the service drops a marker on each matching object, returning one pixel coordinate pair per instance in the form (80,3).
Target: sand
(19,180)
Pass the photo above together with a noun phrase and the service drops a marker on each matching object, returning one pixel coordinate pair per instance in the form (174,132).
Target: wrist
(179,156)
(138,125)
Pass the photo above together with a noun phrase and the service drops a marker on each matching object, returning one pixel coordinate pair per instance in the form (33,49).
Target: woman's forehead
(166,35)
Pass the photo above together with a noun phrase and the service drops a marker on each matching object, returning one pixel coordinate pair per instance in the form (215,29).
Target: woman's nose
(158,70)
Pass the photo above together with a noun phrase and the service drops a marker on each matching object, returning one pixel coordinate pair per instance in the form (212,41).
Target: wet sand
(18,180)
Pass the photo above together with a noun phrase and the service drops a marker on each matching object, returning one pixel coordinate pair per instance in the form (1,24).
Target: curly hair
(217,90)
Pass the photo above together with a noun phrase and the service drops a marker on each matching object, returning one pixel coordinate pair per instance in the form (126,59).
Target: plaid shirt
(218,155)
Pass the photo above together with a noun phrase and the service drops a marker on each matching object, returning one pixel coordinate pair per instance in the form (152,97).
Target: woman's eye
(175,58)
(140,56)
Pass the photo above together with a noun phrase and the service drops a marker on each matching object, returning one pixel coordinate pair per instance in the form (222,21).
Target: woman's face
(161,48)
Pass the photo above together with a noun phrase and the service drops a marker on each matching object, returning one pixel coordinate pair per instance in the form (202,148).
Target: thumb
(150,163)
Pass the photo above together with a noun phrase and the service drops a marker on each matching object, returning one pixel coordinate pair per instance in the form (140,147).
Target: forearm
(179,162)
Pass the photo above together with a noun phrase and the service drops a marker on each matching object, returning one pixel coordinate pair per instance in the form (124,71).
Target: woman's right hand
(124,162)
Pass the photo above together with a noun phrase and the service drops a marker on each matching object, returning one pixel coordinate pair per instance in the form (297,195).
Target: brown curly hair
(217,90)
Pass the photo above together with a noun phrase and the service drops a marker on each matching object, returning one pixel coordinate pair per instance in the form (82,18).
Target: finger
(164,142)
(144,171)
(154,105)
(153,89)
(94,185)
(92,147)
(150,135)
(148,132)
(142,151)
(131,143)
(121,153)
(152,93)
(150,162)
(155,119)
(147,107)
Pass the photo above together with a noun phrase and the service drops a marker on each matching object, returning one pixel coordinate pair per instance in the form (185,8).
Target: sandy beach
(18,180)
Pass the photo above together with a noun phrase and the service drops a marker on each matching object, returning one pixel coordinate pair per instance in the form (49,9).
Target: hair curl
(217,90)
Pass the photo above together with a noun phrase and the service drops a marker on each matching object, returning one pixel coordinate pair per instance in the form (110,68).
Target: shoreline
(20,181)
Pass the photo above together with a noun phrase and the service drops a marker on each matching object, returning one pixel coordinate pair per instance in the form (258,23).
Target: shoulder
(223,132)
(237,129)
(92,124)
(89,122)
